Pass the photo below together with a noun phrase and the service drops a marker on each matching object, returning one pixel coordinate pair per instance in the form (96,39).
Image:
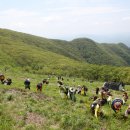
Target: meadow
(22,109)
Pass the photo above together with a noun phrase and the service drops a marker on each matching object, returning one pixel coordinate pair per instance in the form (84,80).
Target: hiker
(84,89)
(109,98)
(125,97)
(39,87)
(8,81)
(60,82)
(45,81)
(71,94)
(97,91)
(127,112)
(2,77)
(103,93)
(96,108)
(27,83)
(117,104)
(59,77)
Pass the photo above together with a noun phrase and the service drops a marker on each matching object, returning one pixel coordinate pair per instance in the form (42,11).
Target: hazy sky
(101,20)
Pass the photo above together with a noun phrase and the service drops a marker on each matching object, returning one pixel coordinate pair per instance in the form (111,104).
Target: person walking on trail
(27,83)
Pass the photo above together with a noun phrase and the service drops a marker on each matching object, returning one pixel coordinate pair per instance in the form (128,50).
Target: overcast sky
(100,20)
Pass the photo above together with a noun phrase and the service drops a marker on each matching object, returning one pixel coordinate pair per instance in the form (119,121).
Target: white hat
(72,89)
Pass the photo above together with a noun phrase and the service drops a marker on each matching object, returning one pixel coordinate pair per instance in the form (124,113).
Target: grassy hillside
(30,110)
(30,52)
(81,49)
(27,56)
(95,53)
(118,51)
(46,56)
(55,46)
(92,52)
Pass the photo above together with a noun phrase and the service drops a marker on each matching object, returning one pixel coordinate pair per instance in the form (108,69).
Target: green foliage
(26,56)
(31,54)
(25,50)
(102,54)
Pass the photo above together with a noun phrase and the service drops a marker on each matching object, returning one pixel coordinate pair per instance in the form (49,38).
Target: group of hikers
(27,82)
(70,92)
(5,81)
(39,86)
(102,95)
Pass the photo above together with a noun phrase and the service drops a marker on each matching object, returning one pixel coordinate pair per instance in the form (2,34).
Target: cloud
(69,20)
(50,18)
(79,11)
(17,13)
(14,18)
(126,18)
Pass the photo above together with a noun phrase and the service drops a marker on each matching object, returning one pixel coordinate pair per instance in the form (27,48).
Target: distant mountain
(120,52)
(22,49)
(108,54)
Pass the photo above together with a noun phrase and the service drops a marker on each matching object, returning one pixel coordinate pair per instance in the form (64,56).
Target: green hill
(91,52)
(15,44)
(55,46)
(23,50)
(120,52)
(82,49)
(27,56)
(52,56)
(108,54)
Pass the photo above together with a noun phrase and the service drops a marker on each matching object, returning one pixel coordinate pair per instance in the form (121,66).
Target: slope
(93,53)
(57,46)
(16,51)
(31,50)
(119,51)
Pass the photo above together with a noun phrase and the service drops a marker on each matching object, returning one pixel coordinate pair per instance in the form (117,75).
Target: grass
(30,110)
(25,56)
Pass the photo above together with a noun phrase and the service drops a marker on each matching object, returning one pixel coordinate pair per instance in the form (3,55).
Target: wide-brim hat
(117,105)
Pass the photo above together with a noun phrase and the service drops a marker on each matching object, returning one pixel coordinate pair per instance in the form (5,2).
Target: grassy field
(22,109)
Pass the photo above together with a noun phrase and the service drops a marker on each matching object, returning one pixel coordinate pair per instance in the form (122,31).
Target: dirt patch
(15,90)
(33,118)
(27,94)
(40,96)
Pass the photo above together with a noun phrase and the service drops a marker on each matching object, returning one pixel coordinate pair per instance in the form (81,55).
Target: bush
(10,97)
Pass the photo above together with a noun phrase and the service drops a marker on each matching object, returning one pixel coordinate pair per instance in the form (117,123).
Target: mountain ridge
(79,49)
